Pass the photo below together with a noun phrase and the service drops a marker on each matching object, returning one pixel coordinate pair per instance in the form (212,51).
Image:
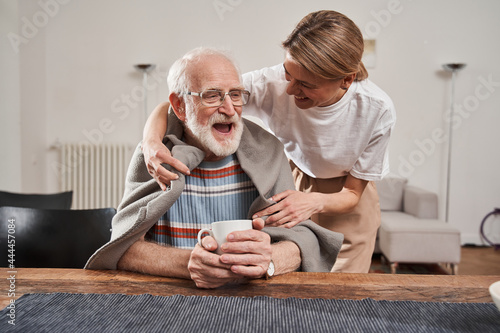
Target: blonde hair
(328,44)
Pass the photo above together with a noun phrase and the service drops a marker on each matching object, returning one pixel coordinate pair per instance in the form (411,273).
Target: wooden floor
(475,260)
(479,261)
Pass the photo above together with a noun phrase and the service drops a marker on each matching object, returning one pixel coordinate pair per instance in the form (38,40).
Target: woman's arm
(293,207)
(155,151)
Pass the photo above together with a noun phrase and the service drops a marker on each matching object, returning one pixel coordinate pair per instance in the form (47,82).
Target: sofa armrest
(420,203)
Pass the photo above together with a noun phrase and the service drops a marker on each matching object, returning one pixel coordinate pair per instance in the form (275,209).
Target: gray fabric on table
(60,312)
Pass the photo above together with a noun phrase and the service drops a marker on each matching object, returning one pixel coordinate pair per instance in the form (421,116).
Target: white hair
(178,79)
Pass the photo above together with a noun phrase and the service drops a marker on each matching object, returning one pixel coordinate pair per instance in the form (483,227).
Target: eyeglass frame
(223,97)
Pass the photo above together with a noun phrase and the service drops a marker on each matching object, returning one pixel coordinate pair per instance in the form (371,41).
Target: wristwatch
(270,270)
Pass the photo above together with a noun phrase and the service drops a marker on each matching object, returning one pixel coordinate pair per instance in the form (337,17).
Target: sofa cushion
(390,192)
(397,217)
(410,239)
(420,203)
(395,224)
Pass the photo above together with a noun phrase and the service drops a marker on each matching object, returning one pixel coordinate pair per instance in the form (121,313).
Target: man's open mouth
(223,127)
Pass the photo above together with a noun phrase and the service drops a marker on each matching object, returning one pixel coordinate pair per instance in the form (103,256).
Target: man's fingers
(201,257)
(245,259)
(253,272)
(241,247)
(248,265)
(247,241)
(258,224)
(209,243)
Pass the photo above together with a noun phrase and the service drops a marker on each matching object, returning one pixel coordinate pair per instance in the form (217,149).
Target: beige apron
(359,227)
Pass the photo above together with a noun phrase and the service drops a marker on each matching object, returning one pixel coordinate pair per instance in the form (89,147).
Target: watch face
(270,269)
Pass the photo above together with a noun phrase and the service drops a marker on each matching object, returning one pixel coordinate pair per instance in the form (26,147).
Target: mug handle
(201,232)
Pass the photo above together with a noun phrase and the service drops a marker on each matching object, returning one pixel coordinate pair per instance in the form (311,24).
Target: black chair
(60,200)
(32,237)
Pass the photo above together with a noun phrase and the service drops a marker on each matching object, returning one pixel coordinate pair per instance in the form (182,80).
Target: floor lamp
(453,68)
(145,69)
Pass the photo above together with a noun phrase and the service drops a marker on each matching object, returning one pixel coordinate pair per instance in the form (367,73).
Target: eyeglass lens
(216,97)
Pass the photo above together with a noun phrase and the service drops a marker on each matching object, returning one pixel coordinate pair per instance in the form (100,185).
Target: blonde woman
(335,125)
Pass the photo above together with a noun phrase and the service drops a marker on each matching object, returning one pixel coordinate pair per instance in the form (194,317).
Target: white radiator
(95,173)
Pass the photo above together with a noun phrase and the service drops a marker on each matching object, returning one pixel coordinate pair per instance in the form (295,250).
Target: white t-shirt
(350,136)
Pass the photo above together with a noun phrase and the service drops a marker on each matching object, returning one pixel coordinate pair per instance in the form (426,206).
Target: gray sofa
(410,231)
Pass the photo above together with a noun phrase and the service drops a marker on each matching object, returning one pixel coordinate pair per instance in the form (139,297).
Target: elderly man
(235,165)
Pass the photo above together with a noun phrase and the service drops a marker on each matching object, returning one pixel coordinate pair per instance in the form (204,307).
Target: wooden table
(436,288)
(69,312)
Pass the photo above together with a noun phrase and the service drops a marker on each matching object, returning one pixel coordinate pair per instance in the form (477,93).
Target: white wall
(76,73)
(10,122)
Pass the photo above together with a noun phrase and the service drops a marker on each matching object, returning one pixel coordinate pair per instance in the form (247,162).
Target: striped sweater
(214,191)
(261,157)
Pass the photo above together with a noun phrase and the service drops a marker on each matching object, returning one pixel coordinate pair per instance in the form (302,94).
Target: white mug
(220,230)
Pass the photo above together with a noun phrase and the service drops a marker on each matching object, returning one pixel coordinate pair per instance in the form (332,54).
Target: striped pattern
(74,313)
(215,191)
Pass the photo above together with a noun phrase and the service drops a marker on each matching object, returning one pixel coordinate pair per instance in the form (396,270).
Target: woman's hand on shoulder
(291,208)
(155,153)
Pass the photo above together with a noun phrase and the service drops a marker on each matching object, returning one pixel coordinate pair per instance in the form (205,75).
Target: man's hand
(248,252)
(206,268)
(246,255)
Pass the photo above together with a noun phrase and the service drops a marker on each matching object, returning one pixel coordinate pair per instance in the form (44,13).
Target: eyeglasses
(212,97)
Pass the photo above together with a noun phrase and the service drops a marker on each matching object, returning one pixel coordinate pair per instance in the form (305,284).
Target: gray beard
(204,133)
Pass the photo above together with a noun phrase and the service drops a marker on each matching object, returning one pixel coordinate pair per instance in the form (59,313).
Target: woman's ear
(178,106)
(347,81)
